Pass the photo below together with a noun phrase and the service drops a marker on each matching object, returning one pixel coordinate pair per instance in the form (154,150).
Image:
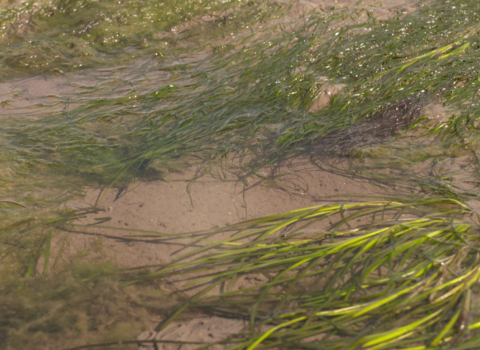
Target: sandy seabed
(185,204)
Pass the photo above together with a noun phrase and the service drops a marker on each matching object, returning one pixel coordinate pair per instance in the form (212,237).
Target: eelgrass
(250,101)
(406,283)
(407,279)
(61,36)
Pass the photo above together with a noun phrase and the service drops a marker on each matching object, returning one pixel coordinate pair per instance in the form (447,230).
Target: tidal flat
(268,174)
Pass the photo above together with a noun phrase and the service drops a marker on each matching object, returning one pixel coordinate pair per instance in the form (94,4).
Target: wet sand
(182,203)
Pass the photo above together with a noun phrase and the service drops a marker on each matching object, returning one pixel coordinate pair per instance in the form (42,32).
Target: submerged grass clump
(81,304)
(252,101)
(236,89)
(63,35)
(52,298)
(406,278)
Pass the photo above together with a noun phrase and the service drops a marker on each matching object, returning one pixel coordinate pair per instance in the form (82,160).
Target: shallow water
(138,137)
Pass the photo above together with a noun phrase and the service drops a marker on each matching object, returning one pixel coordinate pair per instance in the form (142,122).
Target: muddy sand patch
(147,222)
(184,204)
